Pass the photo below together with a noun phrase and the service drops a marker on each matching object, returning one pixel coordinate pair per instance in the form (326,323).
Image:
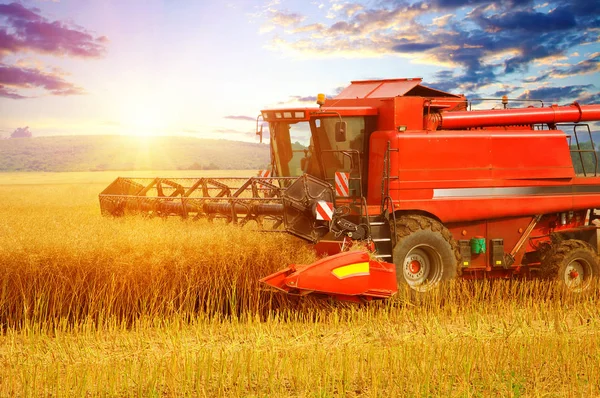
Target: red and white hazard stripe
(587,217)
(264,173)
(341,184)
(324,210)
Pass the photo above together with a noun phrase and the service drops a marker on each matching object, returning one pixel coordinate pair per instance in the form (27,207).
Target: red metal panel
(508,229)
(346,276)
(387,115)
(591,201)
(357,90)
(435,157)
(474,175)
(408,113)
(396,88)
(378,88)
(483,155)
(478,208)
(377,152)
(564,184)
(530,154)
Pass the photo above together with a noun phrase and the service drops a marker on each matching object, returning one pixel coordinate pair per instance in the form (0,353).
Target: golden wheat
(137,307)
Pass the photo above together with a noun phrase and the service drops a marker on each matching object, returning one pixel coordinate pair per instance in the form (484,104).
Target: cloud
(587,66)
(24,29)
(10,93)
(556,94)
(528,21)
(406,46)
(13,78)
(235,117)
(590,98)
(304,99)
(22,132)
(307,98)
(480,42)
(284,18)
(454,4)
(501,93)
(442,21)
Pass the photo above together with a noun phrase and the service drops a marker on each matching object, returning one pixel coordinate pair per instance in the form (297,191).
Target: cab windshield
(290,143)
(313,148)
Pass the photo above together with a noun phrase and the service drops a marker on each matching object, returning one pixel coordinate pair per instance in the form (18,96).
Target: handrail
(580,151)
(501,99)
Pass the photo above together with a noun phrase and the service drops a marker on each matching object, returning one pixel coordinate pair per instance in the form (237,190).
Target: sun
(145,121)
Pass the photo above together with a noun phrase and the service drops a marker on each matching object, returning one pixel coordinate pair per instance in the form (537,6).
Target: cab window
(290,145)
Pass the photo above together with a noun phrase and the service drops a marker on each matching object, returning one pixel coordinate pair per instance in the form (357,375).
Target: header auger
(433,191)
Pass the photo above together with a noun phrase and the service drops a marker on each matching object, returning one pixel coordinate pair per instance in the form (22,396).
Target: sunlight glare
(145,121)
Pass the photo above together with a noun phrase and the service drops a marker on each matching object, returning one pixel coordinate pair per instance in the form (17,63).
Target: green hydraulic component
(478,245)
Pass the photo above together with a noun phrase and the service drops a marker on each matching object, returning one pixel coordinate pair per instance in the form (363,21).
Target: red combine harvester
(434,190)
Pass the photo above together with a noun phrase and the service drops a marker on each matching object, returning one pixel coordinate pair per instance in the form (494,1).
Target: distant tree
(21,132)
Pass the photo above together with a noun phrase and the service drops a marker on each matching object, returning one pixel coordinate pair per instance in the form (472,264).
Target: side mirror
(259,131)
(340,131)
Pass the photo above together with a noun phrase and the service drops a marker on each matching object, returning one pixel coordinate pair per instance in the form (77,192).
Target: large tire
(572,262)
(425,253)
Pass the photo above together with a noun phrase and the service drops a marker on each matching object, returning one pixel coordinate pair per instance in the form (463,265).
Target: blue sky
(206,68)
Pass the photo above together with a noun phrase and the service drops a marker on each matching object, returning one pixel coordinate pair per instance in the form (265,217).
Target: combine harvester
(434,190)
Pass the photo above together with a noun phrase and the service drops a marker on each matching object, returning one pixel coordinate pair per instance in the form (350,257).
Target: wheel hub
(414,267)
(574,274)
(421,267)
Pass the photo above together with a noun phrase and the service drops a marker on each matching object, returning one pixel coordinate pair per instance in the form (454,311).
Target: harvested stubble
(132,307)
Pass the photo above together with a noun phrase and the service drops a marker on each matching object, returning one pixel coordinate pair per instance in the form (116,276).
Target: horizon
(140,138)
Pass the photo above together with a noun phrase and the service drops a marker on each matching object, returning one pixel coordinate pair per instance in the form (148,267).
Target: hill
(95,153)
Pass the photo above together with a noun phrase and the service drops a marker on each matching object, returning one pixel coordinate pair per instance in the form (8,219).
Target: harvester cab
(433,189)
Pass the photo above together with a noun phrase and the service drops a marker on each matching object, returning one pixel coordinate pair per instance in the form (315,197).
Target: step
(382,240)
(383,255)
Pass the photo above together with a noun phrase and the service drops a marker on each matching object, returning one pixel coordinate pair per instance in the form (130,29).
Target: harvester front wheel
(573,263)
(425,253)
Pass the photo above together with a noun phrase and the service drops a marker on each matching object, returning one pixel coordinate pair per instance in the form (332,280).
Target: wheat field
(93,306)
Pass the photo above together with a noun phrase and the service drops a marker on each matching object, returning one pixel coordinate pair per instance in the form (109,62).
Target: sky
(206,68)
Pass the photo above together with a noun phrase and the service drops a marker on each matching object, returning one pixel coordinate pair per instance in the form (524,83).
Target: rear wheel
(425,253)
(573,263)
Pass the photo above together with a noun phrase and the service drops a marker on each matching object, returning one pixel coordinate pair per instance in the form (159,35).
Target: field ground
(93,306)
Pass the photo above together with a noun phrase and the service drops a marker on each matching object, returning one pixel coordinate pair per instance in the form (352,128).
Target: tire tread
(409,223)
(553,259)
